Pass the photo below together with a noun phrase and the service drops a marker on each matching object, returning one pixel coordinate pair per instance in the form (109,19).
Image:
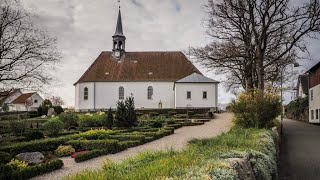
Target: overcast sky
(84,29)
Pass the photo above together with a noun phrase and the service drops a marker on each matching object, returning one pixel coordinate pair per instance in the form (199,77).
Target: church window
(85,93)
(204,94)
(150,92)
(188,94)
(35,101)
(121,93)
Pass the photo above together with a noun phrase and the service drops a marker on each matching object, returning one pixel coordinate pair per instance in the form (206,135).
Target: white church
(155,79)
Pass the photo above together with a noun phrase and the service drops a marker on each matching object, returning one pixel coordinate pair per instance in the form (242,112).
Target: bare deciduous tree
(254,40)
(57,101)
(26,51)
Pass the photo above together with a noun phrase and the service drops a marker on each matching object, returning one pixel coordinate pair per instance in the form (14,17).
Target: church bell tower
(119,40)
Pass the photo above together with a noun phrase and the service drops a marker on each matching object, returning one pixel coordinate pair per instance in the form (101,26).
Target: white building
(154,79)
(18,101)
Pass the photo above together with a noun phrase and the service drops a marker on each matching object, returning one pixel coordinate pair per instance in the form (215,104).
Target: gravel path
(176,141)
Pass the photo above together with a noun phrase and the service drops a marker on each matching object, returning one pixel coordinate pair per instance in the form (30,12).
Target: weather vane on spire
(119,3)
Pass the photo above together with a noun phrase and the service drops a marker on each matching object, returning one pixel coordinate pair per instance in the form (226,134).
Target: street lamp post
(281,95)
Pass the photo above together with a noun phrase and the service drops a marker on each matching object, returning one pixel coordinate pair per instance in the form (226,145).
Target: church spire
(119,30)
(119,40)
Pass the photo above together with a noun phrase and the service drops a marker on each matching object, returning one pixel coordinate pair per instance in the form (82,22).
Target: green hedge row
(89,155)
(37,145)
(6,172)
(108,145)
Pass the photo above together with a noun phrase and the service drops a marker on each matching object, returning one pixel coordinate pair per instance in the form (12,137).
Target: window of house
(121,93)
(317,115)
(311,95)
(312,114)
(188,94)
(204,94)
(85,93)
(35,101)
(150,92)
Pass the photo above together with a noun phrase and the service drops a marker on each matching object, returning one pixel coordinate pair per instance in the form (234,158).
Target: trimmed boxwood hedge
(37,145)
(6,172)
(89,155)
(109,145)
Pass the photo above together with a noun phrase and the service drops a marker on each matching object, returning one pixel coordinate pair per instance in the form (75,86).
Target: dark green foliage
(155,124)
(33,135)
(4,157)
(189,114)
(31,171)
(108,120)
(5,108)
(44,107)
(296,108)
(172,113)
(53,126)
(58,109)
(131,116)
(32,114)
(130,143)
(80,145)
(153,114)
(90,121)
(90,155)
(37,145)
(69,119)
(120,115)
(17,125)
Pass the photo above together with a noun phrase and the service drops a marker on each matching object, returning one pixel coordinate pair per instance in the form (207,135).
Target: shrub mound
(64,151)
(256,109)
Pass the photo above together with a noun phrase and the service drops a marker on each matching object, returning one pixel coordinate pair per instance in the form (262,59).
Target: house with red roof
(156,79)
(18,101)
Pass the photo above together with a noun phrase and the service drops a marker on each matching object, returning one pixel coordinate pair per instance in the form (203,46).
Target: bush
(131,115)
(92,120)
(108,120)
(89,155)
(40,145)
(4,157)
(17,125)
(69,119)
(189,114)
(58,109)
(298,109)
(109,145)
(153,114)
(17,164)
(64,151)
(33,135)
(155,124)
(120,115)
(256,109)
(53,126)
(6,172)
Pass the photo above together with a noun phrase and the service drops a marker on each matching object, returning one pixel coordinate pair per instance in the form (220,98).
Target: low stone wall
(252,165)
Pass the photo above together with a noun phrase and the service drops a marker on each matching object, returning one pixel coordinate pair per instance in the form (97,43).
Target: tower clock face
(117,54)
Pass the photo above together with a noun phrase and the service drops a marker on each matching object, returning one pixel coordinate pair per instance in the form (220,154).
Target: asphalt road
(300,151)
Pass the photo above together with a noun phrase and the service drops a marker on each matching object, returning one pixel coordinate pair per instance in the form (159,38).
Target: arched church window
(85,93)
(121,93)
(120,45)
(150,92)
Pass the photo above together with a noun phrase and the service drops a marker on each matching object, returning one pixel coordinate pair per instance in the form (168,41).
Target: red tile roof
(22,98)
(139,66)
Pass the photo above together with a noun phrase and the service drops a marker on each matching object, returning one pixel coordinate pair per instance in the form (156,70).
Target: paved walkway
(176,141)
(300,151)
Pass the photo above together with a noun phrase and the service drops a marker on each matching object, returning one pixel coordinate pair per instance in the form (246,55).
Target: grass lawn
(203,159)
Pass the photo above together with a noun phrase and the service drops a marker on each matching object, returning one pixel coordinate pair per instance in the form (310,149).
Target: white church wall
(81,103)
(107,94)
(196,100)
